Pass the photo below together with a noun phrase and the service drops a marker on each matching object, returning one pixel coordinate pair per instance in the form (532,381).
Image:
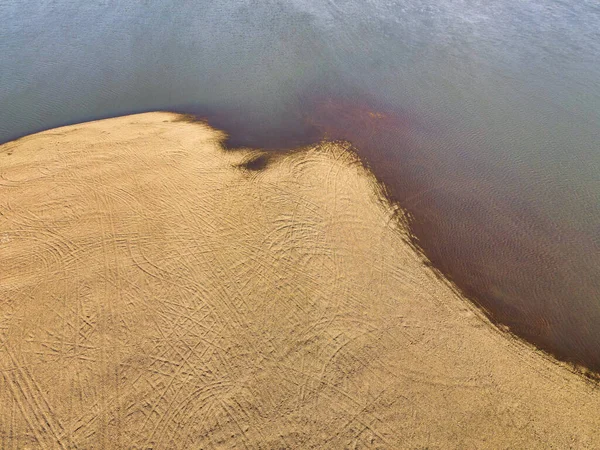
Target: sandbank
(160,291)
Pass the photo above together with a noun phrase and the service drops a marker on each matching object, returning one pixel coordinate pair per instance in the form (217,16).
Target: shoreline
(544,327)
(179,293)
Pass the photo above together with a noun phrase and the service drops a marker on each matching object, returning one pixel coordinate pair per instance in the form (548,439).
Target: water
(483,118)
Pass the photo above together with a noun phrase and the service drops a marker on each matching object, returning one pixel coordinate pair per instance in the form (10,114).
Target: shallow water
(483,118)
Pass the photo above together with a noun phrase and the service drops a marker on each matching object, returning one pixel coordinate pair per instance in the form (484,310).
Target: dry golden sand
(156,294)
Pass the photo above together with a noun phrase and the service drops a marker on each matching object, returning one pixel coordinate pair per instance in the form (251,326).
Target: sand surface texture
(157,291)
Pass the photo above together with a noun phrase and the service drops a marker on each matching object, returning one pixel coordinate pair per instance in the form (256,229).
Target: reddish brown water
(516,264)
(485,124)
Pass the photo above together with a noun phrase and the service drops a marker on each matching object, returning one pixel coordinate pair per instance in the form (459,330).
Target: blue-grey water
(482,117)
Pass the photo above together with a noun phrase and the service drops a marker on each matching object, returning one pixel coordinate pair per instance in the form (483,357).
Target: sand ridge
(159,291)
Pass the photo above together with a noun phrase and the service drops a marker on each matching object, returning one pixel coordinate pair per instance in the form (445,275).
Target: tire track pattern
(154,293)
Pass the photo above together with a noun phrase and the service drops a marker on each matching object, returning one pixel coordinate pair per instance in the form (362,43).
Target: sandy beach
(160,291)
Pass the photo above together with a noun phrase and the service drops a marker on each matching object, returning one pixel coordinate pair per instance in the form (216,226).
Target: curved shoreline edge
(165,292)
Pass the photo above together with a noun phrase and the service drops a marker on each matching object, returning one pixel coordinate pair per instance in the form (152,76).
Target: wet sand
(480,226)
(159,291)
